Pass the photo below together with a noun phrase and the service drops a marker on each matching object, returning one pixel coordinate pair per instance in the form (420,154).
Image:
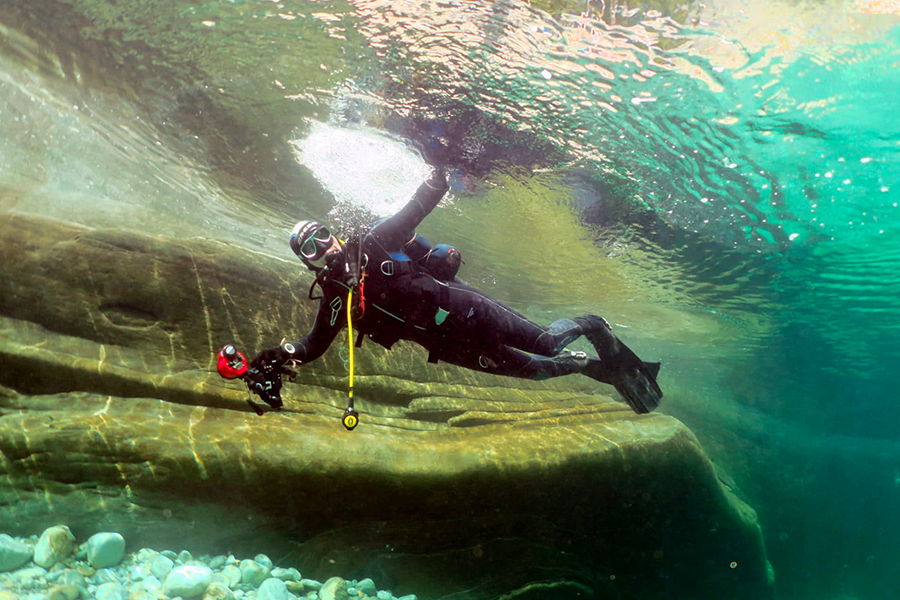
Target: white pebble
(188,581)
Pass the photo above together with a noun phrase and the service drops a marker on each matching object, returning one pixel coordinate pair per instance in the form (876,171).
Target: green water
(721,178)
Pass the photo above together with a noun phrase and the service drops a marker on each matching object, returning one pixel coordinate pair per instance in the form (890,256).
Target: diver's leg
(490,322)
(493,322)
(511,362)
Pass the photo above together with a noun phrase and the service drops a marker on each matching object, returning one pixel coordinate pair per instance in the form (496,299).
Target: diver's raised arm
(399,228)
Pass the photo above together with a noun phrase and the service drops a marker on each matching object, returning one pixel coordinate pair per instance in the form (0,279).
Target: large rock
(454,483)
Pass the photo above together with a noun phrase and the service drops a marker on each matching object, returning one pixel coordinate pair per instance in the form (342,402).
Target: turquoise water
(723,178)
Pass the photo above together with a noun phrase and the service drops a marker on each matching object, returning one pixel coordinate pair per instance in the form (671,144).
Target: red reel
(231,363)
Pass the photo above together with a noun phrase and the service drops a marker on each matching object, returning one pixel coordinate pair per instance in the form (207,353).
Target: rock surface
(13,553)
(113,418)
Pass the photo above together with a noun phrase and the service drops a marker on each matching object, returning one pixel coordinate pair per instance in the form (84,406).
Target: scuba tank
(441,261)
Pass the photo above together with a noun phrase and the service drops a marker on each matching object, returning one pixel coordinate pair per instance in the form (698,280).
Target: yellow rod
(350,338)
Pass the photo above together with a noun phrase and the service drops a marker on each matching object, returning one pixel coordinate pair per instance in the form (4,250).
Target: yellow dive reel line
(351,417)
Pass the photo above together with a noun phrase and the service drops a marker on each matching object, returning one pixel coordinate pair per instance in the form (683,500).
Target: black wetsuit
(453,321)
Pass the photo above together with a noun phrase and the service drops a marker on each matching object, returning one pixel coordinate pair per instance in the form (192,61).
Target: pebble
(188,581)
(137,572)
(151,584)
(218,591)
(105,550)
(13,553)
(334,588)
(55,544)
(145,555)
(233,574)
(117,576)
(291,574)
(367,587)
(272,589)
(72,577)
(85,570)
(253,573)
(63,592)
(295,587)
(161,566)
(110,591)
(25,577)
(106,576)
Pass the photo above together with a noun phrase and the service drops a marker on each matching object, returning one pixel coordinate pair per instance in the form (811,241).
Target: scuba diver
(408,290)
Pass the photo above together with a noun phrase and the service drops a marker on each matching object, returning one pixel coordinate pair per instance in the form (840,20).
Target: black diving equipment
(266,383)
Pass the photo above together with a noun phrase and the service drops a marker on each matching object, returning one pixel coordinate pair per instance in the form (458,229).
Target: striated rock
(105,550)
(454,484)
(55,544)
(13,553)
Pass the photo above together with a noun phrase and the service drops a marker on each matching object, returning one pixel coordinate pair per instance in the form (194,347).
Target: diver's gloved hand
(270,360)
(438,179)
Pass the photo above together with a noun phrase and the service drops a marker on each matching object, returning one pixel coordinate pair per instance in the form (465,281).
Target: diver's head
(314,244)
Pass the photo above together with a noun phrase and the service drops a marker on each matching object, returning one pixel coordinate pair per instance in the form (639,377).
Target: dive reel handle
(350,418)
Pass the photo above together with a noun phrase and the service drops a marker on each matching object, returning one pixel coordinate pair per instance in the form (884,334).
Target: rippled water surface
(719,178)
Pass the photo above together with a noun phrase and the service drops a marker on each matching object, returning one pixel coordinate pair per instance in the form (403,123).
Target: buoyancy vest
(405,288)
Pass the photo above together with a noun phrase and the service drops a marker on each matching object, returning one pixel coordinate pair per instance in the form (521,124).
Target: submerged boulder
(112,418)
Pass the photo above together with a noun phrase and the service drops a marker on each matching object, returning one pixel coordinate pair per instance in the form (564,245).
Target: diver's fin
(639,389)
(653,367)
(636,385)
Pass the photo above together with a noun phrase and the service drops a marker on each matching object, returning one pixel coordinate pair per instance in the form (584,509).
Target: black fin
(653,367)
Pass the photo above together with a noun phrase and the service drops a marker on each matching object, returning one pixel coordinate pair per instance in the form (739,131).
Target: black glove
(269,361)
